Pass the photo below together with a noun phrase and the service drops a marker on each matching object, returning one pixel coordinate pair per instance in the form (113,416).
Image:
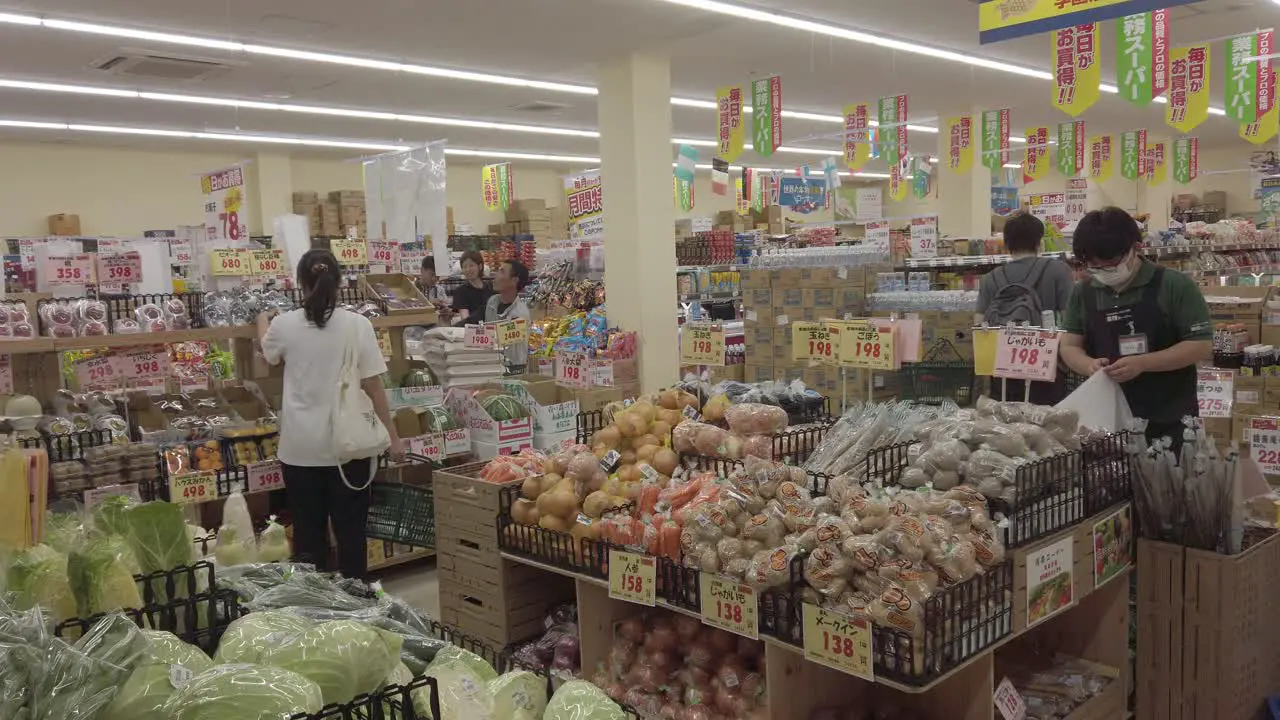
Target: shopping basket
(942,375)
(402,508)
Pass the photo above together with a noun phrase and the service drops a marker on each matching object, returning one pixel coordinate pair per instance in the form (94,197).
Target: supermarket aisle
(416,584)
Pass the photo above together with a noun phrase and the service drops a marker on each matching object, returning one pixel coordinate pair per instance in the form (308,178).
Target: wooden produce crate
(1158,681)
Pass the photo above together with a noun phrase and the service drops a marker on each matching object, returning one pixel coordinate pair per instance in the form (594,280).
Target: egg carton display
(242,306)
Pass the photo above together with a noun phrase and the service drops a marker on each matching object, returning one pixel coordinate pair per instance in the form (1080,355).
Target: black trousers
(317,496)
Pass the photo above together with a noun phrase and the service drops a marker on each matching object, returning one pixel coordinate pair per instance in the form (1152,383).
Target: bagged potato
(756,419)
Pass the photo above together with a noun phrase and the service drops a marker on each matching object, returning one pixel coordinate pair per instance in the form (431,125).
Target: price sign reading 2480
(702,345)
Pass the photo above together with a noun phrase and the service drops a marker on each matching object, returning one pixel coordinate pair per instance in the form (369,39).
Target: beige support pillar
(964,199)
(639,213)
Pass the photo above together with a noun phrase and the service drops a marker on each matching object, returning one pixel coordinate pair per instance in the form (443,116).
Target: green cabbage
(249,637)
(273,544)
(39,577)
(518,692)
(482,669)
(62,531)
(580,700)
(344,657)
(100,571)
(164,648)
(167,664)
(463,694)
(108,517)
(157,534)
(243,692)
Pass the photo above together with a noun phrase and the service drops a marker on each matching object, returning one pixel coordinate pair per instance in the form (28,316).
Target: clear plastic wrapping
(248,692)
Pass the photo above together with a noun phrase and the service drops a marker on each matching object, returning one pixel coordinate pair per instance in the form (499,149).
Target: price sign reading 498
(351,252)
(631,577)
(702,345)
(195,487)
(812,341)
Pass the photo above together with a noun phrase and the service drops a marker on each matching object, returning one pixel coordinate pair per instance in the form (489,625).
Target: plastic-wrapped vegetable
(100,570)
(756,419)
(74,682)
(244,692)
(273,545)
(579,700)
(478,665)
(167,663)
(344,657)
(233,549)
(518,692)
(157,535)
(39,577)
(248,638)
(463,694)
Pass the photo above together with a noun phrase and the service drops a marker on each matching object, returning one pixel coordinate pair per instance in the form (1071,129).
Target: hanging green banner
(766,115)
(1133,154)
(1241,93)
(995,138)
(1142,56)
(892,113)
(1071,146)
(1186,159)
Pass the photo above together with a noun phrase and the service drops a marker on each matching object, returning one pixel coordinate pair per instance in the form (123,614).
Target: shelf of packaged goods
(395,560)
(961,261)
(153,338)
(710,297)
(1234,271)
(709,268)
(1226,247)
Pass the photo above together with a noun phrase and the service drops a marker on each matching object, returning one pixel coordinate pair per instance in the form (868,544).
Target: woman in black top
(470,299)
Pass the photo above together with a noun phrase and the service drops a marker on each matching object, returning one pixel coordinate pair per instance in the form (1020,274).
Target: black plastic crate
(589,423)
(393,702)
(1108,473)
(1048,496)
(198,619)
(68,447)
(402,512)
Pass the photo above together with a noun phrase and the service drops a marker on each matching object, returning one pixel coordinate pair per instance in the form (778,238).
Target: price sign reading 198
(571,370)
(702,345)
(866,345)
(812,341)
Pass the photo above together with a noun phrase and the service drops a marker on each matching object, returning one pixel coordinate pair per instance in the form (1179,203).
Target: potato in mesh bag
(771,568)
(826,571)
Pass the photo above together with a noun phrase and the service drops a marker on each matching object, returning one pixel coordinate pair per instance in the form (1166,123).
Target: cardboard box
(347,197)
(597,398)
(789,298)
(1249,393)
(1216,198)
(64,224)
(752,279)
(1247,311)
(552,415)
(757,298)
(309,197)
(404,289)
(758,335)
(758,373)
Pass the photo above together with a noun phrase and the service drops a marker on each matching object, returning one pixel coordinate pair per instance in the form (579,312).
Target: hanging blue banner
(801,194)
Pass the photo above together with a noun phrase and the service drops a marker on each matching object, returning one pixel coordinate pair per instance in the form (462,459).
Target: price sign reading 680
(702,345)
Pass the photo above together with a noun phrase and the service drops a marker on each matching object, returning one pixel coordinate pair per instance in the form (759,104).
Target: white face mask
(1114,277)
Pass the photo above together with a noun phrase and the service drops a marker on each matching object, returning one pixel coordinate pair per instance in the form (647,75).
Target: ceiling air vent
(166,67)
(540,106)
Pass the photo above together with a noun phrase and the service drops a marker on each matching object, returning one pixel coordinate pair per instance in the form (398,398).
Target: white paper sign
(1009,702)
(1076,198)
(877,236)
(265,476)
(225,205)
(1214,391)
(924,236)
(868,205)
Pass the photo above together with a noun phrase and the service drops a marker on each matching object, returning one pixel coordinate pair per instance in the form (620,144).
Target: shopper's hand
(1127,368)
(1095,365)
(396,450)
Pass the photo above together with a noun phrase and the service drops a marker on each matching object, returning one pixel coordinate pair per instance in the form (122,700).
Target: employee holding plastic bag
(1145,326)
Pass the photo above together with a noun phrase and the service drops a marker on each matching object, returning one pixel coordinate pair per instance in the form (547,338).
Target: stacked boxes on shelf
(482,594)
(331,217)
(533,217)
(1255,395)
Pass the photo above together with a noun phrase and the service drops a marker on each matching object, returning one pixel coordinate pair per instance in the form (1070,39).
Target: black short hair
(429,263)
(474,256)
(1105,234)
(520,272)
(1023,233)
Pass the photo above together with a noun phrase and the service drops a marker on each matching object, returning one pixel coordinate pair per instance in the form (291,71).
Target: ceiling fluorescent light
(12,19)
(33,125)
(133,34)
(199,135)
(60,88)
(505,155)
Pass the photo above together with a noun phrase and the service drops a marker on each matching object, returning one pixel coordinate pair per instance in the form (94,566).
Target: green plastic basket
(402,511)
(943,375)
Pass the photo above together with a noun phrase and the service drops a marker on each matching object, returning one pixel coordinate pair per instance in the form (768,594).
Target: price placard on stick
(1264,443)
(68,269)
(195,487)
(351,252)
(702,345)
(265,476)
(385,256)
(228,262)
(572,370)
(729,605)
(812,341)
(838,641)
(1215,390)
(865,344)
(512,332)
(479,337)
(631,577)
(924,237)
(121,268)
(1026,354)
(266,262)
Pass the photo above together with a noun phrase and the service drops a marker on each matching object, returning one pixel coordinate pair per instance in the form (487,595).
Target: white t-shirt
(312,362)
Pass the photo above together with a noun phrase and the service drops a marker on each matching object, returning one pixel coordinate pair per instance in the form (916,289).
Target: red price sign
(121,268)
(1215,390)
(146,365)
(350,252)
(838,641)
(385,256)
(1026,354)
(479,337)
(1264,443)
(572,370)
(228,261)
(1009,702)
(265,476)
(429,446)
(812,341)
(99,373)
(191,488)
(68,269)
(631,577)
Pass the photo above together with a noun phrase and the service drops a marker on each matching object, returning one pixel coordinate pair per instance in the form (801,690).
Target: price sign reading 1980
(1215,390)
(196,487)
(729,605)
(228,261)
(350,252)
(866,345)
(838,641)
(812,341)
(702,345)
(631,577)
(1026,354)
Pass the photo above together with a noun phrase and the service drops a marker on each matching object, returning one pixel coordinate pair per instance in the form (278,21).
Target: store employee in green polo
(1143,325)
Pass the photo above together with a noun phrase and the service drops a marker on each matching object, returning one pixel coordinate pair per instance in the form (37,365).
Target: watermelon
(419,377)
(437,419)
(503,407)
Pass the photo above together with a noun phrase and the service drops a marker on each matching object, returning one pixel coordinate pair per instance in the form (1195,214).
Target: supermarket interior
(894,361)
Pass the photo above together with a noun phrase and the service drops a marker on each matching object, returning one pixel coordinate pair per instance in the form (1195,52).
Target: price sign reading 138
(702,345)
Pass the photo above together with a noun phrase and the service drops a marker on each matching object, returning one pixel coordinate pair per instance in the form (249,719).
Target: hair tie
(319,268)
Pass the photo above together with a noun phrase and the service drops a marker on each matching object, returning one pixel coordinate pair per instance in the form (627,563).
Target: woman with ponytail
(311,342)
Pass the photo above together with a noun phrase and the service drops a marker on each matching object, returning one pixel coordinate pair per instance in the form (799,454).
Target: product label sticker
(1133,345)
(93,497)
(632,578)
(6,375)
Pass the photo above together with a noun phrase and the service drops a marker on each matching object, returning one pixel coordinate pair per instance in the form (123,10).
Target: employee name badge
(1133,345)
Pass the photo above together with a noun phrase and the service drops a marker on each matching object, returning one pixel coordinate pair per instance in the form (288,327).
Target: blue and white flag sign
(685,162)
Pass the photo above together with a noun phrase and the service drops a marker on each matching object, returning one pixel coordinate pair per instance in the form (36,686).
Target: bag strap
(1041,265)
(351,371)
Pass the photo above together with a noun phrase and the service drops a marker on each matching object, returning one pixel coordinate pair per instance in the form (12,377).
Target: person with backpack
(1019,291)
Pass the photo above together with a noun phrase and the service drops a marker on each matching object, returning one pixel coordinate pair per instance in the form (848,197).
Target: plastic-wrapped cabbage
(273,544)
(157,534)
(75,682)
(401,675)
(244,692)
(232,549)
(164,648)
(62,530)
(108,517)
(143,695)
(39,577)
(580,700)
(478,665)
(249,637)
(463,694)
(344,657)
(100,570)
(518,694)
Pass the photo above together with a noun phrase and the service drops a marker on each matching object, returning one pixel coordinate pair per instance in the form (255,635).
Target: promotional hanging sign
(921,180)
(225,205)
(857,135)
(1266,126)
(1005,19)
(495,183)
(801,194)
(1075,199)
(893,125)
(995,138)
(1186,159)
(766,115)
(1133,154)
(743,203)
(1245,92)
(1071,146)
(1188,88)
(960,144)
(1101,162)
(732,133)
(584,197)
(899,180)
(1050,208)
(1155,165)
(1036,163)
(1142,56)
(1077,72)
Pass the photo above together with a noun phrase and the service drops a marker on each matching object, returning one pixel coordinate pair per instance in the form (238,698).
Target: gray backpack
(1016,302)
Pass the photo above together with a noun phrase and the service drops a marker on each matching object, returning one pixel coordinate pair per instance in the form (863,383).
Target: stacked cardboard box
(480,593)
(332,216)
(770,220)
(533,217)
(307,204)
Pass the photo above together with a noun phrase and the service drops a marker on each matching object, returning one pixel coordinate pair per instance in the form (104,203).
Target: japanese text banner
(731,132)
(1188,88)
(1077,72)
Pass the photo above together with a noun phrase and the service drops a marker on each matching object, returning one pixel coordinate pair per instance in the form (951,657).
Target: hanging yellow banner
(1077,72)
(857,135)
(732,133)
(489,187)
(1101,157)
(960,144)
(1156,169)
(1263,130)
(1188,88)
(1036,162)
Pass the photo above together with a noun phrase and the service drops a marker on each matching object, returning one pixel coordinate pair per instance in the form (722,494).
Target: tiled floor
(416,584)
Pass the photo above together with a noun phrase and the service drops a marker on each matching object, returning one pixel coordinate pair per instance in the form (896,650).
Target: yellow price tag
(512,332)
(632,577)
(266,262)
(812,341)
(228,261)
(838,641)
(702,345)
(384,343)
(193,487)
(729,605)
(866,345)
(350,252)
